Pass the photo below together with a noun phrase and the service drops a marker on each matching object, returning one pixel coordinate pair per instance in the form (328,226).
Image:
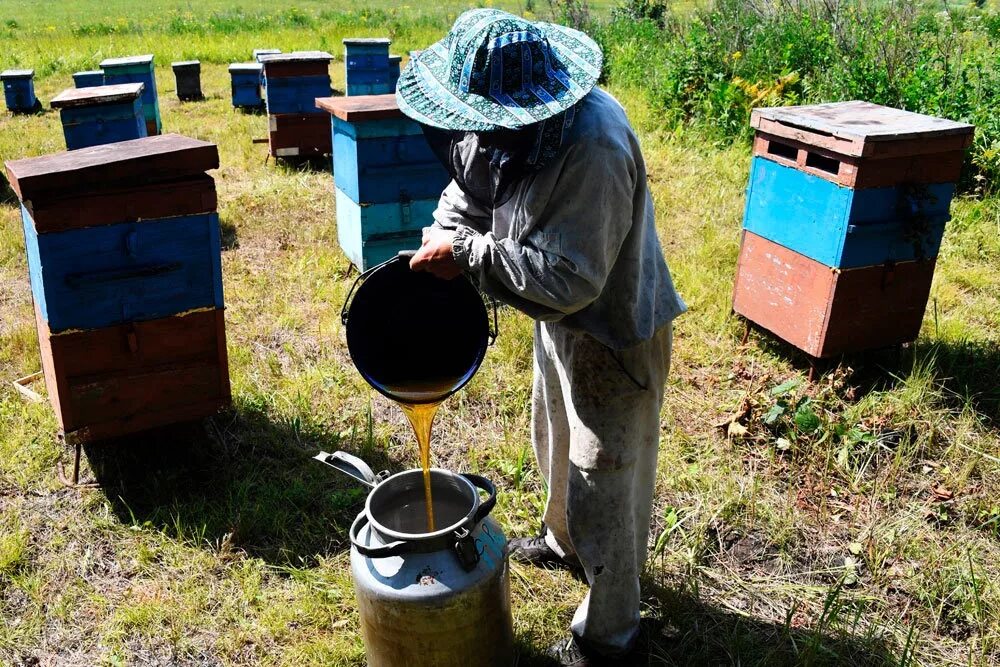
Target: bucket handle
(357,281)
(486,506)
(353,467)
(393,549)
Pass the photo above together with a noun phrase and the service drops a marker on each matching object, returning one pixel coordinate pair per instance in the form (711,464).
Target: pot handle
(486,485)
(393,549)
(357,281)
(351,466)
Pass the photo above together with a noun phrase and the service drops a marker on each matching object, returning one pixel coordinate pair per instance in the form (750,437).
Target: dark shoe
(536,551)
(570,653)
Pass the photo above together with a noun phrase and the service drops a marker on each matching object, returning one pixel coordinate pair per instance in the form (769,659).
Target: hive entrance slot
(782,150)
(823,163)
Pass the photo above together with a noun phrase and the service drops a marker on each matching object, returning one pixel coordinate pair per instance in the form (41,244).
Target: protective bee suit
(561,227)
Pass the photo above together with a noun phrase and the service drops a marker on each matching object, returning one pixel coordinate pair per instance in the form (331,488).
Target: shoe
(536,551)
(569,653)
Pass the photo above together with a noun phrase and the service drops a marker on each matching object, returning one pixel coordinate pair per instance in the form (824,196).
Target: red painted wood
(826,312)
(280,70)
(861,173)
(139,161)
(309,133)
(75,210)
(120,379)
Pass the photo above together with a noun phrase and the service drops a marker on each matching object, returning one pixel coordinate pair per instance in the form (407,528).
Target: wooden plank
(82,97)
(359,108)
(150,159)
(145,421)
(859,173)
(784,292)
(188,196)
(186,64)
(296,68)
(824,311)
(23,387)
(246,67)
(116,374)
(860,123)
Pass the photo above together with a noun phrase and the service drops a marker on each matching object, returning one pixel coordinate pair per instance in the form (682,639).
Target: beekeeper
(549,212)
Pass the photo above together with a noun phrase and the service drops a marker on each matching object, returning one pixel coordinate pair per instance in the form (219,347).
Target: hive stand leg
(74,483)
(813,372)
(746,333)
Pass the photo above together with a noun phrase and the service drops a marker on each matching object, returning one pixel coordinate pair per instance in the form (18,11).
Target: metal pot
(439,599)
(414,337)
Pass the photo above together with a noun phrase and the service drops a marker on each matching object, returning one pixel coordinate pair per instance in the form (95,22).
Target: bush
(709,68)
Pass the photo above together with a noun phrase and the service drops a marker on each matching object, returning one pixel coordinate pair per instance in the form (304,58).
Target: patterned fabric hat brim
(566,66)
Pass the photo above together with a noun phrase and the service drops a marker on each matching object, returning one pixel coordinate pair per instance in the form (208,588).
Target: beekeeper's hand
(435,254)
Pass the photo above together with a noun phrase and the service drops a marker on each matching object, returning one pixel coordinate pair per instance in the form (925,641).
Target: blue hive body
(295,94)
(88,79)
(19,90)
(388,181)
(137,69)
(842,227)
(366,62)
(101,114)
(246,79)
(101,276)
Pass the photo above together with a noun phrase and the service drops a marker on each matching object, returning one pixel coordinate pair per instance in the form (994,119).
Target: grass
(852,521)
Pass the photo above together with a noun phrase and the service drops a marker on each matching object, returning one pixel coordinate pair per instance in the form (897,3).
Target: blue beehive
(257,55)
(19,90)
(101,114)
(137,69)
(293,81)
(388,181)
(88,79)
(246,79)
(366,61)
(845,213)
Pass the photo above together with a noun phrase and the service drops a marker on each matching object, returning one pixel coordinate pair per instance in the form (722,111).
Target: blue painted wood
(19,90)
(841,227)
(246,81)
(101,276)
(88,79)
(384,161)
(296,94)
(395,63)
(102,124)
(141,71)
(373,233)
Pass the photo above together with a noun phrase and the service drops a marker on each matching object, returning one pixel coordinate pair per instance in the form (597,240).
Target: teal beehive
(137,69)
(388,181)
(100,114)
(19,90)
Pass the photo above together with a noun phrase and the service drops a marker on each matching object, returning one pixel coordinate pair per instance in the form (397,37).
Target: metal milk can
(439,599)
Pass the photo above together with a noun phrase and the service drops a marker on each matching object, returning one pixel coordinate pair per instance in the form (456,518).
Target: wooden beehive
(367,66)
(124,257)
(100,114)
(856,190)
(245,81)
(88,79)
(388,180)
(187,74)
(292,82)
(19,90)
(137,69)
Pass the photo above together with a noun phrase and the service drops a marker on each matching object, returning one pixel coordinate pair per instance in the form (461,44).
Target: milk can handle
(486,485)
(393,549)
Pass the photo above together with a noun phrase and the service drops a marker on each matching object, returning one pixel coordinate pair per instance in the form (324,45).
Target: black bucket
(414,337)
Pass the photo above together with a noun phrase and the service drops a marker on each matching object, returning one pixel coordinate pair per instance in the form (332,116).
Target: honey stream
(421,416)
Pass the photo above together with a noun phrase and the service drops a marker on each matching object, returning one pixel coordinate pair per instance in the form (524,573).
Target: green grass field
(853,521)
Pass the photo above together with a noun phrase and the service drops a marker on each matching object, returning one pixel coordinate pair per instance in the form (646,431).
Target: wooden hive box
(853,184)
(367,66)
(245,81)
(100,114)
(137,69)
(124,258)
(294,80)
(388,180)
(298,135)
(187,74)
(826,311)
(88,79)
(19,90)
